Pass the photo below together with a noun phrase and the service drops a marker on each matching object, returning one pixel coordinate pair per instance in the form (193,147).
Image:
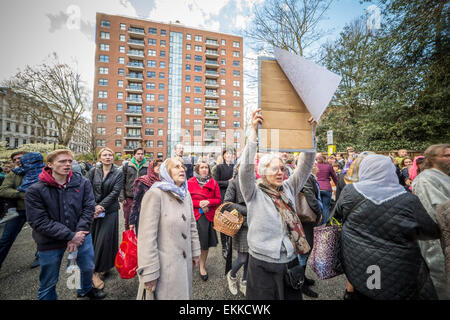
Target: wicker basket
(226,222)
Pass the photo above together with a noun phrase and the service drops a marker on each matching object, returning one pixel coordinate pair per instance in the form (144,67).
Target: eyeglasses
(275,170)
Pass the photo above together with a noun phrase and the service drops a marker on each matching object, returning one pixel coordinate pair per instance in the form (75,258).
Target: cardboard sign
(285,127)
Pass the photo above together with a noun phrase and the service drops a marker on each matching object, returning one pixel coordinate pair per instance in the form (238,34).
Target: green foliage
(31,147)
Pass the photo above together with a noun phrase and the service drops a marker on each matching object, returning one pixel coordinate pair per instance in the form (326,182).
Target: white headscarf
(167,183)
(378,180)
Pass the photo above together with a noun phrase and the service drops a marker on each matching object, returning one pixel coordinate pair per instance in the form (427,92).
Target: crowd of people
(394,213)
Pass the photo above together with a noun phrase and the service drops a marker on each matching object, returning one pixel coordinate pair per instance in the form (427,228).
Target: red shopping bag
(126,258)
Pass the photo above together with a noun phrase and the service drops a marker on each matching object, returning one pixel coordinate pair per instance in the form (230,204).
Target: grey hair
(265,161)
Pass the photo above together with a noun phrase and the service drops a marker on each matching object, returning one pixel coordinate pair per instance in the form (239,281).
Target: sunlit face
(61,165)
(179,150)
(228,157)
(139,156)
(408,163)
(203,170)
(402,153)
(106,157)
(177,172)
(16,160)
(275,173)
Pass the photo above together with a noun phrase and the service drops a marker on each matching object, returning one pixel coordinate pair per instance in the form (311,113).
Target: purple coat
(323,176)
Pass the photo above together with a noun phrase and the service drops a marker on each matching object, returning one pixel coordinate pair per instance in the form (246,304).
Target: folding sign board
(285,127)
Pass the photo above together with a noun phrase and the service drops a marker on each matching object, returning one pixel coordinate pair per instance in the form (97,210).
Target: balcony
(133,124)
(210,138)
(212,84)
(133,112)
(137,32)
(212,43)
(211,63)
(134,43)
(135,66)
(211,53)
(129,136)
(136,54)
(133,100)
(212,115)
(211,94)
(214,106)
(135,77)
(130,147)
(211,74)
(134,89)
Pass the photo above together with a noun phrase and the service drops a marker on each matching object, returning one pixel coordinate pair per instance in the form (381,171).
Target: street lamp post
(54,142)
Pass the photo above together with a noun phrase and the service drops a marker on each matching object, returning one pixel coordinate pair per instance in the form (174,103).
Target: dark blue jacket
(56,213)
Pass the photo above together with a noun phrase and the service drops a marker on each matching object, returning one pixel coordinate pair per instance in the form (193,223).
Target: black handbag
(295,276)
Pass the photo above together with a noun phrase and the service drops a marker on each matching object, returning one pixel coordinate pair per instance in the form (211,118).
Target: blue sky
(34,29)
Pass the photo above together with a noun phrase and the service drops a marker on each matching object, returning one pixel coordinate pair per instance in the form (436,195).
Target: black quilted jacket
(386,236)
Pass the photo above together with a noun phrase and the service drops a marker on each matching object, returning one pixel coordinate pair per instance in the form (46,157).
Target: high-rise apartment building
(160,84)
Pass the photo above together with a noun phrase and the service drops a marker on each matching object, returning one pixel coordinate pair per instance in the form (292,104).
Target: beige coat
(167,242)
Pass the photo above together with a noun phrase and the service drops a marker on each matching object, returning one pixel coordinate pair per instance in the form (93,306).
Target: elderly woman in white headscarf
(168,242)
(275,234)
(381,225)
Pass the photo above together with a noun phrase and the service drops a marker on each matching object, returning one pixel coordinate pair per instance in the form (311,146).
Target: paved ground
(19,282)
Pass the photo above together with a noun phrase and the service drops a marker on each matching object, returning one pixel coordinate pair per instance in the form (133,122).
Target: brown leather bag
(303,209)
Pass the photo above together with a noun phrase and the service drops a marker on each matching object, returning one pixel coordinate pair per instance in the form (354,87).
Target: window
(222,92)
(119,131)
(104,35)
(121,60)
(187,77)
(197,122)
(198,79)
(122,49)
(119,107)
(102,82)
(197,100)
(222,82)
(150,97)
(104,47)
(103,94)
(150,143)
(151,74)
(152,30)
(160,144)
(236,73)
(161,97)
(188,57)
(236,83)
(236,93)
(162,43)
(101,118)
(237,145)
(162,53)
(198,68)
(198,111)
(237,134)
(149,132)
(236,63)
(118,118)
(123,26)
(100,143)
(236,124)
(161,86)
(161,109)
(236,103)
(118,143)
(199,38)
(198,89)
(150,85)
(151,42)
(236,113)
(119,95)
(198,58)
(236,54)
(223,102)
(149,108)
(121,72)
(163,32)
(223,52)
(162,64)
(197,133)
(224,42)
(222,123)
(188,36)
(162,75)
(120,83)
(149,120)
(104,58)
(187,110)
(151,63)
(222,71)
(160,120)
(198,48)
(187,99)
(222,62)
(152,53)
(236,44)
(101,106)
(223,113)
(188,46)
(122,37)
(187,89)
(187,122)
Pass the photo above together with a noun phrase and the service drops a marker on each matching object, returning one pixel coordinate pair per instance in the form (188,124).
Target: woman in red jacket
(205,193)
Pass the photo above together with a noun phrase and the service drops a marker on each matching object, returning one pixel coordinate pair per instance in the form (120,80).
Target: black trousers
(265,281)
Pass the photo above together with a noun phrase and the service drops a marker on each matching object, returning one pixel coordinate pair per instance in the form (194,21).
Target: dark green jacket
(8,189)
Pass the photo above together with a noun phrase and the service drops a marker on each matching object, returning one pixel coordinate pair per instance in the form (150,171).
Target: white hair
(265,161)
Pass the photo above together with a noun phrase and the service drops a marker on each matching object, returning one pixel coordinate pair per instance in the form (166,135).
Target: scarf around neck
(285,208)
(150,178)
(201,181)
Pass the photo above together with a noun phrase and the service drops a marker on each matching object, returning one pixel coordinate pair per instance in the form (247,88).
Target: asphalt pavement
(19,282)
